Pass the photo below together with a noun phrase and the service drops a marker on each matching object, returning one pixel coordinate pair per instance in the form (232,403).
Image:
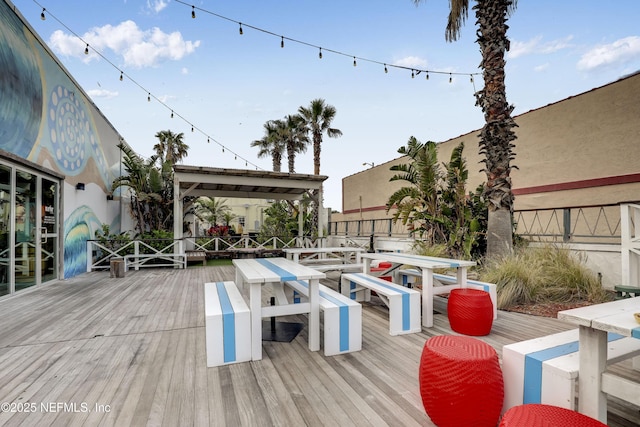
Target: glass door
(26,243)
(5,228)
(48,230)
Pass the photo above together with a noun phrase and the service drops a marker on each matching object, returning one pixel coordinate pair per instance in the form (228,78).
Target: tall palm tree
(170,147)
(497,135)
(271,145)
(291,131)
(317,119)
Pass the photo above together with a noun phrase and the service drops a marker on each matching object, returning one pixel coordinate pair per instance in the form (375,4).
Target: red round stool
(539,415)
(461,382)
(470,311)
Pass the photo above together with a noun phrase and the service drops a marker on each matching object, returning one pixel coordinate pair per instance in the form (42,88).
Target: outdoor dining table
(426,264)
(594,323)
(258,272)
(343,253)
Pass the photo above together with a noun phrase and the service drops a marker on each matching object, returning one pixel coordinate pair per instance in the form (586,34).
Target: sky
(226,85)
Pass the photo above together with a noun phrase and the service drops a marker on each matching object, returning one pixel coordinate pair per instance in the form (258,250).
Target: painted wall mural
(46,119)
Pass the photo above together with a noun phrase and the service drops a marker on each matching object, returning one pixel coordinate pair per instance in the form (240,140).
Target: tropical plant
(150,188)
(497,135)
(170,147)
(435,206)
(318,117)
(271,145)
(210,209)
(292,133)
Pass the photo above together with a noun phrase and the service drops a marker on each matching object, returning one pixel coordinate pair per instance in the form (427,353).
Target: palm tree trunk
(497,134)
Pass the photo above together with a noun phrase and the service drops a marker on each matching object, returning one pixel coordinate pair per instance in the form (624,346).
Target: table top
(418,260)
(322,250)
(615,316)
(270,270)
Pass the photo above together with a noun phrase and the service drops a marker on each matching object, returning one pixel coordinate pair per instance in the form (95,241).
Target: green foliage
(547,274)
(113,241)
(435,206)
(279,222)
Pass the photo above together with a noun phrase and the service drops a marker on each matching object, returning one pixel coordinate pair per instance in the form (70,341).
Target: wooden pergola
(199,181)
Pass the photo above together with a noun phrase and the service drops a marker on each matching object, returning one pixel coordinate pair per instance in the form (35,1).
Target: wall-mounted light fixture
(80,186)
(368,164)
(109,196)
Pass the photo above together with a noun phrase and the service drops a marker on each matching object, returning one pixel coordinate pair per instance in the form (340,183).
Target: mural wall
(47,119)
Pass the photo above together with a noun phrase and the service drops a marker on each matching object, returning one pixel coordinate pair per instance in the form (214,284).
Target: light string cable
(414,70)
(46,12)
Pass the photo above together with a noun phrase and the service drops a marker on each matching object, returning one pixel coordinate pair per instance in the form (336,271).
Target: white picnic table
(594,384)
(258,272)
(426,264)
(342,258)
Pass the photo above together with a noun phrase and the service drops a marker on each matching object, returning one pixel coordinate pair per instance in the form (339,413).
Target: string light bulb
(427,75)
(471,78)
(208,142)
(193,12)
(86,49)
(149,97)
(42,15)
(191,128)
(354,61)
(121,76)
(385,69)
(320,54)
(450,78)
(172,114)
(240,31)
(413,74)
(223,148)
(281,41)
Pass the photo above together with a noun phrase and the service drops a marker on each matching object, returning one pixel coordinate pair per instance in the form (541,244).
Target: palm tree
(170,147)
(210,209)
(497,135)
(271,145)
(151,190)
(317,119)
(291,131)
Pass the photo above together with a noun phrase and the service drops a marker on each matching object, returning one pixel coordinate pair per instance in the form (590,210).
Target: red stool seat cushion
(461,382)
(539,415)
(470,311)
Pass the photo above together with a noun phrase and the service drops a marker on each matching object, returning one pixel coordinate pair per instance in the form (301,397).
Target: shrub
(547,274)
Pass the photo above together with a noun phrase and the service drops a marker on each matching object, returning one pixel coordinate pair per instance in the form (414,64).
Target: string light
(385,69)
(427,75)
(450,78)
(281,41)
(149,97)
(86,49)
(354,61)
(241,29)
(42,16)
(191,128)
(172,114)
(412,74)
(471,78)
(320,54)
(121,76)
(193,12)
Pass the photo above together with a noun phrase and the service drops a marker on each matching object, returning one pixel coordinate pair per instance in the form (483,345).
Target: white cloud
(102,93)
(618,52)
(411,62)
(184,70)
(541,67)
(138,48)
(536,46)
(157,5)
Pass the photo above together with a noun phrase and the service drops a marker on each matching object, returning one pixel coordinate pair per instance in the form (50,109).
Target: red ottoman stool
(461,382)
(470,311)
(537,415)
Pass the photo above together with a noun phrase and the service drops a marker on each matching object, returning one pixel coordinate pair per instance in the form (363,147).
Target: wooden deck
(96,350)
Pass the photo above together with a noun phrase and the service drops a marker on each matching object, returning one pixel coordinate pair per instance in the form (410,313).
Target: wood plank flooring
(101,351)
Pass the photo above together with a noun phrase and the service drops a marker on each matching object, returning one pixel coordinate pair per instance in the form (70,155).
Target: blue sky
(228,85)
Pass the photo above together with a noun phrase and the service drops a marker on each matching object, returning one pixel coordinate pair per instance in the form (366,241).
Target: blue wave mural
(79,227)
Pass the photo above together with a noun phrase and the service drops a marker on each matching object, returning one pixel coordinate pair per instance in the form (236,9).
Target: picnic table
(339,258)
(594,323)
(426,264)
(258,272)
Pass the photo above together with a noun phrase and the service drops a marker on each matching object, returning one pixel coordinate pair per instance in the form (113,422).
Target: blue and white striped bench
(545,370)
(227,324)
(404,277)
(403,303)
(342,318)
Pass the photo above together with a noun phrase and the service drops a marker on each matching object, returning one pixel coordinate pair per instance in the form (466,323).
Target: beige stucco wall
(591,136)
